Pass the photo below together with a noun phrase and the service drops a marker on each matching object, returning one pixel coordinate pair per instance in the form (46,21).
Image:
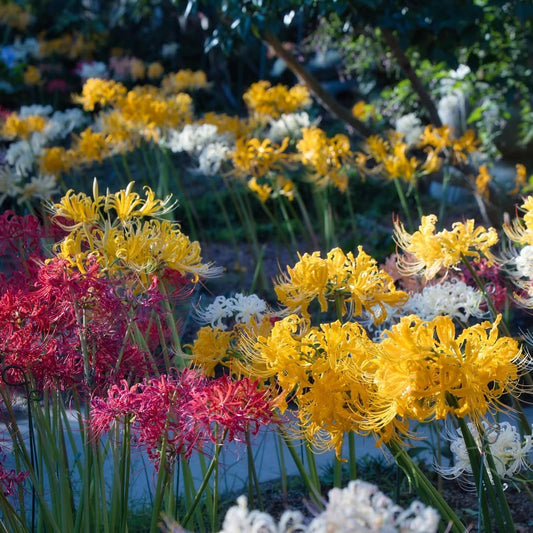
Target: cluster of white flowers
(20,178)
(239,519)
(240,308)
(288,125)
(358,508)
(509,452)
(524,262)
(361,507)
(92,69)
(453,298)
(411,126)
(203,142)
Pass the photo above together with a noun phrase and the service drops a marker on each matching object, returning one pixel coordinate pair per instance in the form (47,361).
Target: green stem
(352,461)
(309,483)
(205,481)
(425,488)
(418,201)
(444,191)
(351,212)
(307,221)
(253,471)
(403,201)
(162,482)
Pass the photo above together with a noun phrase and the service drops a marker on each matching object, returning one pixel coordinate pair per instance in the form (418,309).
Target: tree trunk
(315,87)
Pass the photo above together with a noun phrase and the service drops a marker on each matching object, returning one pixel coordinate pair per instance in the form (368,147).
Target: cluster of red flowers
(69,329)
(63,323)
(180,412)
(10,479)
(21,246)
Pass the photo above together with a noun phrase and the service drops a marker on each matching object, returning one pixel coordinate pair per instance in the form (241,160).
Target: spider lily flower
(508,449)
(430,252)
(357,281)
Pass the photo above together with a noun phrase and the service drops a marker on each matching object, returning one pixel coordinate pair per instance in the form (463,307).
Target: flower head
(508,449)
(98,92)
(326,156)
(357,281)
(421,363)
(453,298)
(430,252)
(273,101)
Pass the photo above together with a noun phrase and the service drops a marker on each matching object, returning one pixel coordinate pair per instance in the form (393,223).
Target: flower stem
(425,488)
(205,481)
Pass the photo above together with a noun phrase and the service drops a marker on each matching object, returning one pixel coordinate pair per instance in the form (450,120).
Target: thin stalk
(282,469)
(258,271)
(418,201)
(161,484)
(403,201)
(487,499)
(311,461)
(352,461)
(313,489)
(123,180)
(252,472)
(351,211)
(172,325)
(225,216)
(214,512)
(307,221)
(210,495)
(337,472)
(190,491)
(205,481)
(288,225)
(425,488)
(505,519)
(444,191)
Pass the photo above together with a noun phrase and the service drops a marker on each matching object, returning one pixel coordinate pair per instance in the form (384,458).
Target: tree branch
(410,73)
(315,87)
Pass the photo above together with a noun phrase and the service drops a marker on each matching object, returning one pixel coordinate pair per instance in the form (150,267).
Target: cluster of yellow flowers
(326,156)
(390,159)
(429,253)
(351,283)
(184,80)
(270,101)
(342,381)
(124,119)
(87,147)
(14,16)
(16,127)
(100,93)
(72,45)
(125,234)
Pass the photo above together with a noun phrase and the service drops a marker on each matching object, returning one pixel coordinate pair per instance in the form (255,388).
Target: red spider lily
(183,411)
(9,479)
(20,247)
(44,328)
(236,406)
(156,409)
